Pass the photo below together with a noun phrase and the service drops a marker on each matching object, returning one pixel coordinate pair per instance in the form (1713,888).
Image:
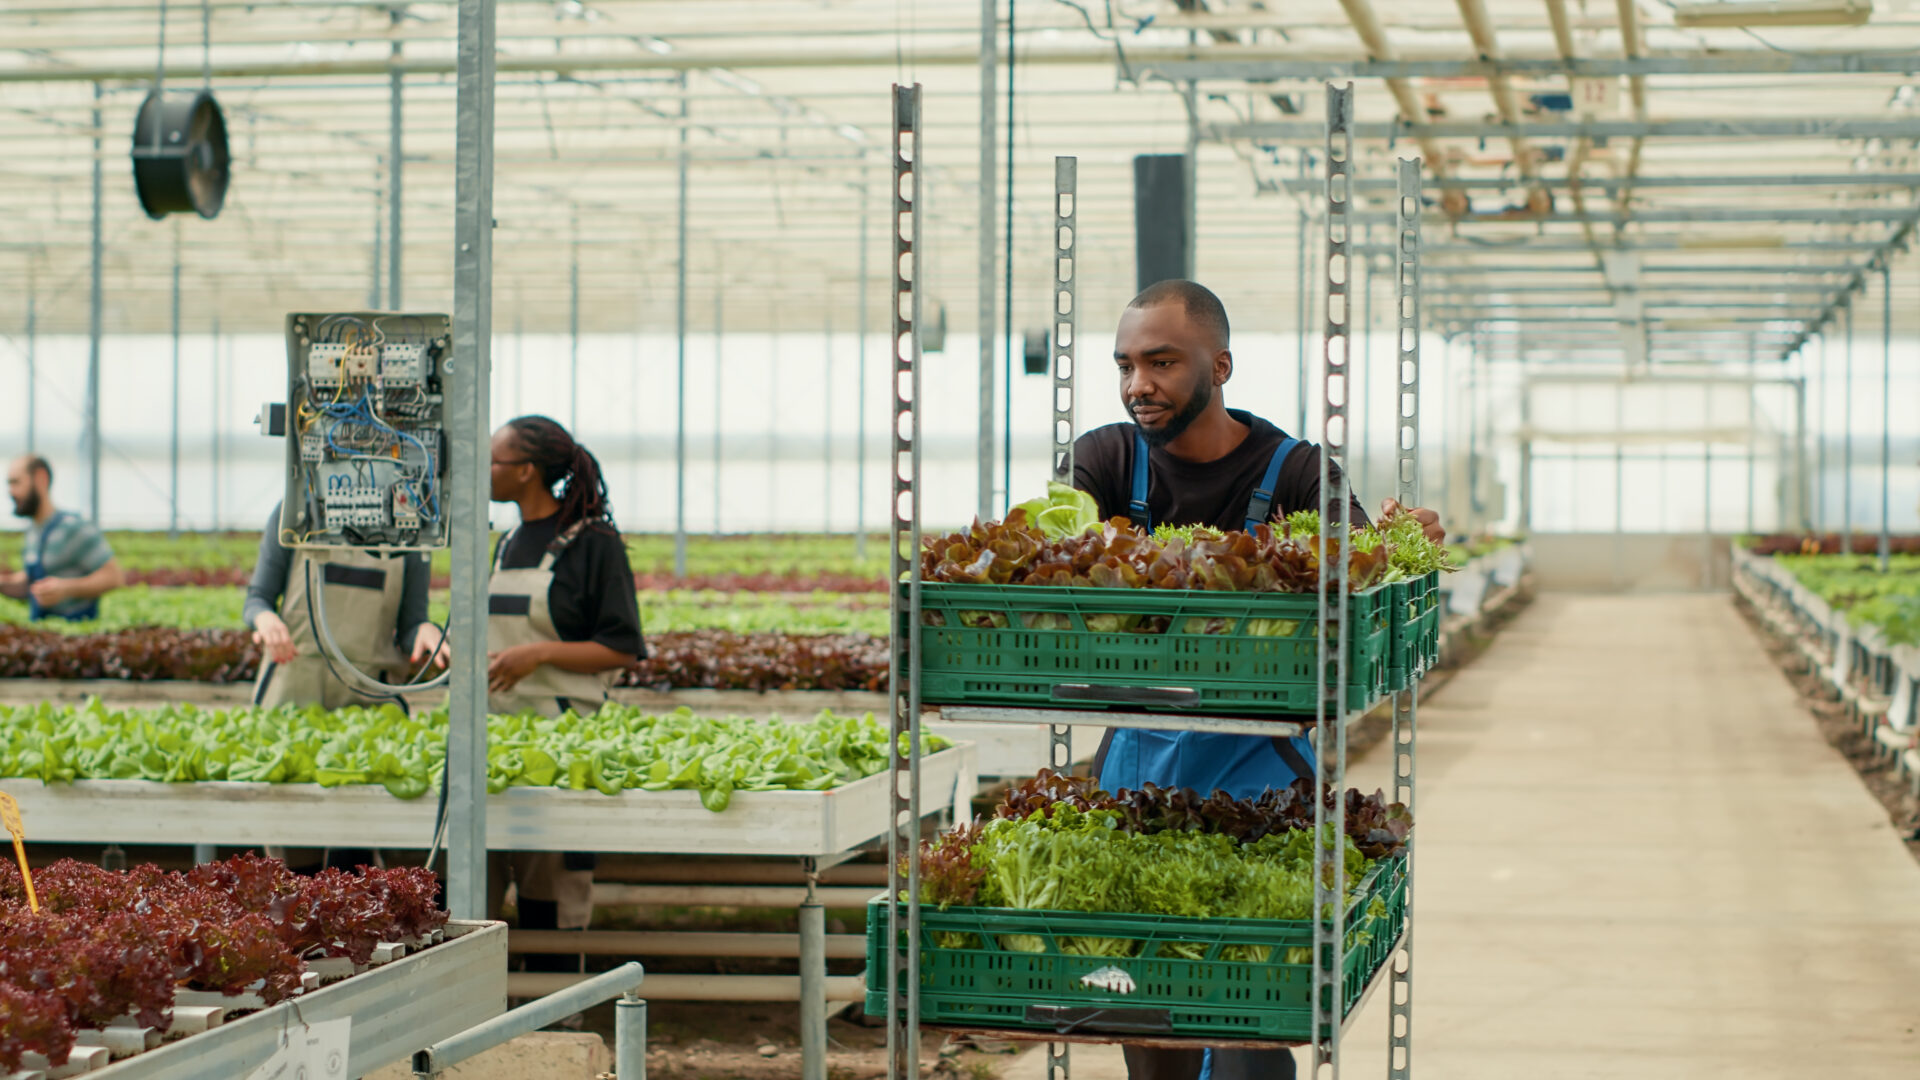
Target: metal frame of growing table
(819,828)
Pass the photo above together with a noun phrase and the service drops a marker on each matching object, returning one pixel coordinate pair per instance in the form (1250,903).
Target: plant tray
(1142,648)
(1415,645)
(980,983)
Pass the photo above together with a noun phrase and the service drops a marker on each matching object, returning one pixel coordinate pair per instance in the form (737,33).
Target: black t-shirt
(591,598)
(1212,493)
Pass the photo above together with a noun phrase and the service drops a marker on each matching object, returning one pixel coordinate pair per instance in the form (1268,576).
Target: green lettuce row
(618,749)
(1855,585)
(1069,860)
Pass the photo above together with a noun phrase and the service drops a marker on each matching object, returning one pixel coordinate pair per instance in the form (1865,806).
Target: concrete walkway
(1638,859)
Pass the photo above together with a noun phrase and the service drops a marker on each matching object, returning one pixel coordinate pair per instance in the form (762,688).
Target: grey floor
(1638,859)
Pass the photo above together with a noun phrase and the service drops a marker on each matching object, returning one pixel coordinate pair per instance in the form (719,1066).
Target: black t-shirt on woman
(1212,493)
(592,597)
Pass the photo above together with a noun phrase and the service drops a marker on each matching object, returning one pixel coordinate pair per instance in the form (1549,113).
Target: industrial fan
(180,159)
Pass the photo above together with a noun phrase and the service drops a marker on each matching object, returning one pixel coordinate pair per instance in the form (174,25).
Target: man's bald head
(1203,309)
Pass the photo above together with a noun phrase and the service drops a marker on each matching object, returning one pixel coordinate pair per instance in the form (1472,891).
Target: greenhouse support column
(173,425)
(1753,373)
(1473,431)
(1846,445)
(373,271)
(719,396)
(396,166)
(1619,487)
(1800,481)
(1820,442)
(826,430)
(467,418)
(573,331)
(860,392)
(33,344)
(1526,453)
(680,350)
(213,421)
(1190,168)
(1886,412)
(984,268)
(1006,292)
(1303,302)
(91,419)
(1706,488)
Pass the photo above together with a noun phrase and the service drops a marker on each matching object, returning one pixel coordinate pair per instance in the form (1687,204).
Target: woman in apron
(562,623)
(375,606)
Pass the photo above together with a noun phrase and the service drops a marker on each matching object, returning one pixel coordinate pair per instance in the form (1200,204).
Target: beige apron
(362,594)
(518,614)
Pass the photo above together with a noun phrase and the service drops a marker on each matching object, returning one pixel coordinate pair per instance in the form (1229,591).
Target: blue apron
(36,568)
(1241,765)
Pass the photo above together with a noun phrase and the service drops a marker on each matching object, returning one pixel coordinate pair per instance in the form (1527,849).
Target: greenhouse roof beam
(1753,62)
(1757,127)
(1459,270)
(1734,180)
(1663,242)
(1739,287)
(1829,215)
(1604,306)
(1843,297)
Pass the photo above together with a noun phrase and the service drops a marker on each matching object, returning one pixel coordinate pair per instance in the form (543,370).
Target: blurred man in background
(67,565)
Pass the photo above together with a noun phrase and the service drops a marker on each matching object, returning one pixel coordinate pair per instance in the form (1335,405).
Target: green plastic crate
(1415,646)
(980,984)
(1041,649)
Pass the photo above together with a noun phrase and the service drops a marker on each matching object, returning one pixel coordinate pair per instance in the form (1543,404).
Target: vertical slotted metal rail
(1066,171)
(1406,704)
(1066,318)
(1330,732)
(903,941)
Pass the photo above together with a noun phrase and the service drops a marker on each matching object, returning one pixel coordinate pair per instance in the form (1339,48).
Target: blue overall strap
(1260,507)
(1137,507)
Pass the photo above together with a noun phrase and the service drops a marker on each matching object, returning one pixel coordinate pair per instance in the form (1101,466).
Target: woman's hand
(270,633)
(507,667)
(430,643)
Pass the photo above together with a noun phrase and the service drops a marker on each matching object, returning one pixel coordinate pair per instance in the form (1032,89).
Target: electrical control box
(366,452)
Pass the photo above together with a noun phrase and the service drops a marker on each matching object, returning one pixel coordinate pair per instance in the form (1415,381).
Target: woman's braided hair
(562,461)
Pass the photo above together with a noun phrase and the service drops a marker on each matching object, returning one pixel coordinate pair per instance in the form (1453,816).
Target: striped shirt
(69,546)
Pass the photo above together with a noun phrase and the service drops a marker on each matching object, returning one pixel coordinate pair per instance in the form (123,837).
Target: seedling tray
(1162,650)
(968,976)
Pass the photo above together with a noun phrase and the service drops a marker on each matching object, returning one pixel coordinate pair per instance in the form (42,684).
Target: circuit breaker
(366,441)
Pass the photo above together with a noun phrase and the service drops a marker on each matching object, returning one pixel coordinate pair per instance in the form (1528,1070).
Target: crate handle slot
(1127,695)
(1067,1019)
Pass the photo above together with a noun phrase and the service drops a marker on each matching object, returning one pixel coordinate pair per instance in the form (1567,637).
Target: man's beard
(27,507)
(1178,423)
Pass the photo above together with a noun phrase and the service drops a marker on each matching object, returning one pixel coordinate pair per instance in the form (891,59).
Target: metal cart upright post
(1332,713)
